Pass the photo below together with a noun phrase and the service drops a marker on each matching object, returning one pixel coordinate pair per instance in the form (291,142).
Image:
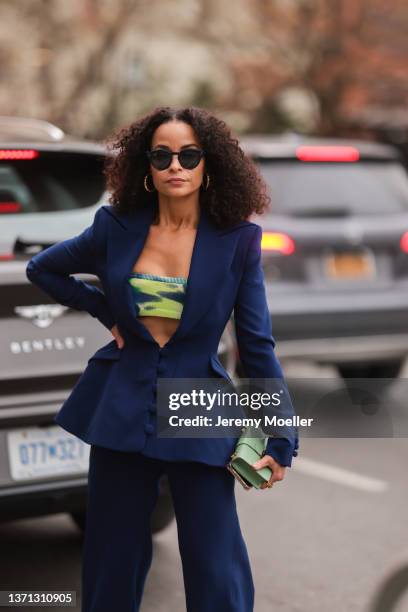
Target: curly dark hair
(236,188)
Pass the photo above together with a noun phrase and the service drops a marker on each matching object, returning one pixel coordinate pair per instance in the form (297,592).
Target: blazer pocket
(219,368)
(109,351)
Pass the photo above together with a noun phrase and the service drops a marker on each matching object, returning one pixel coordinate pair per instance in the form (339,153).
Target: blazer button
(149,428)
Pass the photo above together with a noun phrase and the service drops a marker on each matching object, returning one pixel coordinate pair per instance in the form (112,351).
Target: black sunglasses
(188,158)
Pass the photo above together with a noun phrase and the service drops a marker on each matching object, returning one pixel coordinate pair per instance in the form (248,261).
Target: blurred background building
(329,67)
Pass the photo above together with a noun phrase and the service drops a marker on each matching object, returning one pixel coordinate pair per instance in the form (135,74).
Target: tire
(79,519)
(391,591)
(162,515)
(388,370)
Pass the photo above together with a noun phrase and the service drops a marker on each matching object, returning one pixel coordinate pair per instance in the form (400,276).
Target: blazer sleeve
(253,327)
(51,269)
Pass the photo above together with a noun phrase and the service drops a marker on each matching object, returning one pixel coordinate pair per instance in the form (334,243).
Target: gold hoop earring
(146,185)
(207,183)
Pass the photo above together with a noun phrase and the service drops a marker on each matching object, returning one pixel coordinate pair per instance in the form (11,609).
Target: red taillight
(18,154)
(9,207)
(404,242)
(6,256)
(276,241)
(327,153)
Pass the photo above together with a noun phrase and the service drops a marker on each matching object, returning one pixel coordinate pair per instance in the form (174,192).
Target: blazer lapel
(210,263)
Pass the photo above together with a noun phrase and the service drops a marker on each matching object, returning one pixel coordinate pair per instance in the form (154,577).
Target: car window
(341,189)
(50,182)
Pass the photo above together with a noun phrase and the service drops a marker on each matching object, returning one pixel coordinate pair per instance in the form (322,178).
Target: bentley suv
(50,186)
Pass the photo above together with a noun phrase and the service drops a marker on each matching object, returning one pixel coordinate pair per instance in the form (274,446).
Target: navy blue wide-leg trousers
(123,488)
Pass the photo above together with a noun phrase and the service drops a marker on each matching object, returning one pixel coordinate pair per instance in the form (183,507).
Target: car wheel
(386,370)
(162,515)
(79,519)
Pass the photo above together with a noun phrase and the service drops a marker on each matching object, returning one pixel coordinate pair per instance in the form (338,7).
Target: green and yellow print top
(160,296)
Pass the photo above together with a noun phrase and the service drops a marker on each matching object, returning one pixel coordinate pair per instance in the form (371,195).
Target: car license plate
(349,265)
(38,452)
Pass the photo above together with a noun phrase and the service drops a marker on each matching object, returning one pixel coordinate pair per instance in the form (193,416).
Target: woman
(175,254)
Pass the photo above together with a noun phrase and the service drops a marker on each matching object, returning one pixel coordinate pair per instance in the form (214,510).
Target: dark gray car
(335,251)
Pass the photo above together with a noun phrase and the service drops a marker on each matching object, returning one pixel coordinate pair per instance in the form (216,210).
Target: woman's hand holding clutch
(278,470)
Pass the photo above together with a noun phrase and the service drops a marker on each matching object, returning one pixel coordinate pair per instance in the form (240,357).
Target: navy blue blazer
(113,401)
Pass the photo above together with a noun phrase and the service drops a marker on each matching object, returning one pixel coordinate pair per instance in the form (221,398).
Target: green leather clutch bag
(248,450)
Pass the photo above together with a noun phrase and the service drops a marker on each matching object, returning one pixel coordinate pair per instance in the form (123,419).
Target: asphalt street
(321,539)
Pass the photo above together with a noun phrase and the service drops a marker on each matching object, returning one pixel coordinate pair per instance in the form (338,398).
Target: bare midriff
(165,254)
(161,328)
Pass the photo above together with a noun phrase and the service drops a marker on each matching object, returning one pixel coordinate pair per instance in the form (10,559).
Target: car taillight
(331,153)
(277,241)
(6,256)
(404,242)
(9,207)
(18,154)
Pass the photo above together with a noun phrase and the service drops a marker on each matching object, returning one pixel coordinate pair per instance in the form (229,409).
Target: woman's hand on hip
(278,470)
(116,334)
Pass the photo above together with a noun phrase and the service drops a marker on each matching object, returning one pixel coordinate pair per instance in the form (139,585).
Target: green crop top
(159,296)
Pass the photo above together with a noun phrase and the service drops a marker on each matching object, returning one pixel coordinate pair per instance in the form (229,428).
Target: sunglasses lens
(189,158)
(160,159)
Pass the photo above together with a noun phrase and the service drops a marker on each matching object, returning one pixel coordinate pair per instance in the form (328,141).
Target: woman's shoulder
(108,212)
(105,216)
(245,226)
(246,233)
(99,228)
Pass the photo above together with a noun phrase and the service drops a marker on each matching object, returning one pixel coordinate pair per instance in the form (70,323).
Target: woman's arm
(50,270)
(255,341)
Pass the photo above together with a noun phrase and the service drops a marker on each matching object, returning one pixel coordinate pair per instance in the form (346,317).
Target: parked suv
(335,251)
(50,187)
